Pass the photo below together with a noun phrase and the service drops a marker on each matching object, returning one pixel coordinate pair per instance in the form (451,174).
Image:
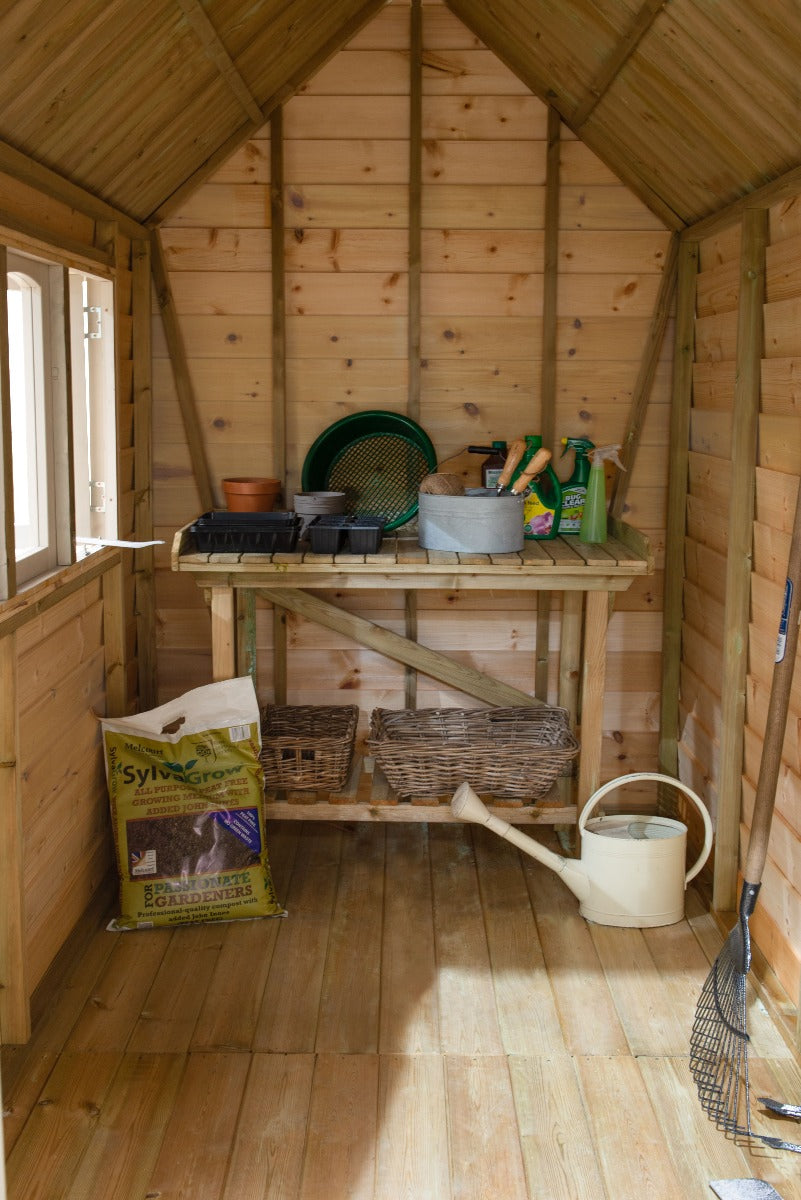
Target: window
(63,432)
(31,414)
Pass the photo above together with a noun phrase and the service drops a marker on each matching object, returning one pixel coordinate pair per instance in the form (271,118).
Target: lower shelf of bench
(367,796)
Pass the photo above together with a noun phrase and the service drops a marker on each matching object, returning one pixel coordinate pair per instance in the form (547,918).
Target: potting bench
(586,576)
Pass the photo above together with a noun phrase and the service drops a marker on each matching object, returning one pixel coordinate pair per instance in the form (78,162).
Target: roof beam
(617,60)
(784,186)
(57,187)
(217,53)
(327,50)
(482,22)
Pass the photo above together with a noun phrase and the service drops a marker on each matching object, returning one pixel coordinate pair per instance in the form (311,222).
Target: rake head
(719,1039)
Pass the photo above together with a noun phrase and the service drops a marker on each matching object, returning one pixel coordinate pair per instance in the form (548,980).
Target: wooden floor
(432,1019)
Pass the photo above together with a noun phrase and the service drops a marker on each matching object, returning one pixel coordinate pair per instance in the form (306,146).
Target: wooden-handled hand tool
(513,455)
(535,467)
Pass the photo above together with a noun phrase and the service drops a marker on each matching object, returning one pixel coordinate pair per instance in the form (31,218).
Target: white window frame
(32,279)
(74,404)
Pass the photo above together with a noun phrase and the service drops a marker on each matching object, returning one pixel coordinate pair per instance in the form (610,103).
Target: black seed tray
(245,533)
(327,534)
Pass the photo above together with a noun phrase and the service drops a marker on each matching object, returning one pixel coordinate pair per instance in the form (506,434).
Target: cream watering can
(632,867)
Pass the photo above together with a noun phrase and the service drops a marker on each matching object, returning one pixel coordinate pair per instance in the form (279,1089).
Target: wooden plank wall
(776,923)
(57,637)
(346,200)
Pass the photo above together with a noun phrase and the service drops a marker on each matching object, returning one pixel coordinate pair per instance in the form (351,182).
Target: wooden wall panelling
(738,565)
(414,276)
(8,565)
(114,622)
(347,142)
(14,988)
(676,512)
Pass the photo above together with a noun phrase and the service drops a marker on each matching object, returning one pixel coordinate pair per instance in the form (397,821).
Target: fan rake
(719,1039)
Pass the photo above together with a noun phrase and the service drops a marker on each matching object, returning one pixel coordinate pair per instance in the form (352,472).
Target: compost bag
(186,790)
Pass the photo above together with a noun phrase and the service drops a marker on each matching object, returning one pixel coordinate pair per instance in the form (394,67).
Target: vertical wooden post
(15,1020)
(114,640)
(223,633)
(246,632)
(279,654)
(415,273)
(592,695)
(570,669)
(278,278)
(745,426)
(278,283)
(550,280)
(415,203)
(677,506)
(143,481)
(8,562)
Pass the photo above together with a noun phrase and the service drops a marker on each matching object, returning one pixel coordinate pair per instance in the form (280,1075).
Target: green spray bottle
(593,523)
(574,489)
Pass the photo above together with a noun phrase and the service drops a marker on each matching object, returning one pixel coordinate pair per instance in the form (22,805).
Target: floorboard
(432,1020)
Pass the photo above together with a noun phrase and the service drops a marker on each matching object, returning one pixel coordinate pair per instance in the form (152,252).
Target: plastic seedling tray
(327,534)
(246,532)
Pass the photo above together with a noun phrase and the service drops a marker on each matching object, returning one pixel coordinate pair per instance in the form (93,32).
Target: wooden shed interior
(244,221)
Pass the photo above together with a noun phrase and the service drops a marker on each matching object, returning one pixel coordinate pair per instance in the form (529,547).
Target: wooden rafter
(617,60)
(217,53)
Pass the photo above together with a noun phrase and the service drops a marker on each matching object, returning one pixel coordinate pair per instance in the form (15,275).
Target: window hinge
(97,491)
(93,321)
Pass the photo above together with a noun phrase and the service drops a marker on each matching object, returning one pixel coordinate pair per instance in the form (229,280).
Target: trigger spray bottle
(574,489)
(593,522)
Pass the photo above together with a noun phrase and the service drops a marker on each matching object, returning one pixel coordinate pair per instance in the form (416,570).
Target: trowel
(744,1189)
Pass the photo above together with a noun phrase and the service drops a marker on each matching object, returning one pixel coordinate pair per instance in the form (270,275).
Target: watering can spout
(467,806)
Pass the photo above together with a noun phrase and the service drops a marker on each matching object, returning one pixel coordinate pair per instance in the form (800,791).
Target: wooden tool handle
(535,467)
(513,455)
(778,705)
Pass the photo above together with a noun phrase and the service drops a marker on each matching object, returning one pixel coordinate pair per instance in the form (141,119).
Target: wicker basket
(517,752)
(307,747)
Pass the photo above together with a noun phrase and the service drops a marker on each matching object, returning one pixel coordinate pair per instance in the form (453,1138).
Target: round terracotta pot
(251,494)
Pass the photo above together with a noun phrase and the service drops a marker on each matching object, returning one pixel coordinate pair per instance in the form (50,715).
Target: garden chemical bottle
(593,523)
(574,489)
(542,506)
(493,465)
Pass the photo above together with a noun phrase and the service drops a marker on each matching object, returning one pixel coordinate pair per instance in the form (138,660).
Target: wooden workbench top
(563,563)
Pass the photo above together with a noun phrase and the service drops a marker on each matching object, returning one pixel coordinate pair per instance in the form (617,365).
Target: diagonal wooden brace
(392,645)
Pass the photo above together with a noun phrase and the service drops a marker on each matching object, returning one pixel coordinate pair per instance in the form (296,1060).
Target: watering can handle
(676,783)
